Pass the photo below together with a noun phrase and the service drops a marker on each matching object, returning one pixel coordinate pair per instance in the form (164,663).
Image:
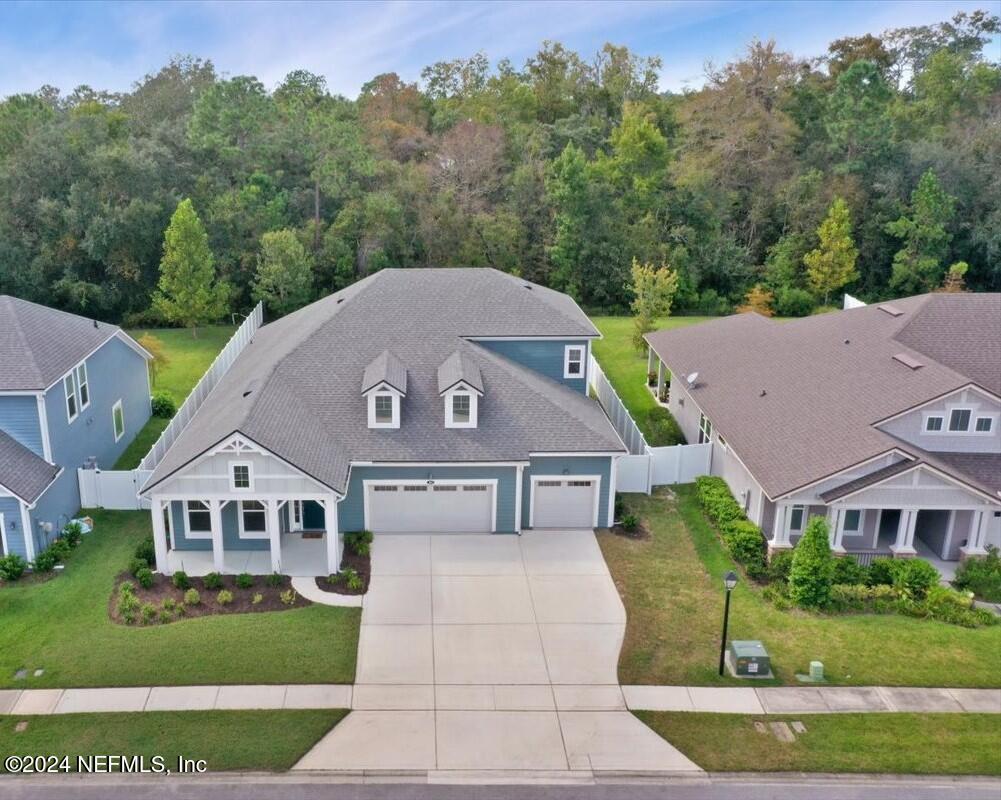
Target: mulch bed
(163,588)
(360,564)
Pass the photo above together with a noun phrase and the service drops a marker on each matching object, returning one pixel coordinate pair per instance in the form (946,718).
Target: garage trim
(537,478)
(491,482)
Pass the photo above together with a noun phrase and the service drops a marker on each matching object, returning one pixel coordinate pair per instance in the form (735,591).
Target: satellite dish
(690,380)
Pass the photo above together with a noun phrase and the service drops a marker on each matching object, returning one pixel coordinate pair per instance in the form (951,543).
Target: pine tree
(917,266)
(188,292)
(832,264)
(759,300)
(955,278)
(812,566)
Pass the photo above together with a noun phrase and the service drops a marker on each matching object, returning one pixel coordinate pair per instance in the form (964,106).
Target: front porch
(300,557)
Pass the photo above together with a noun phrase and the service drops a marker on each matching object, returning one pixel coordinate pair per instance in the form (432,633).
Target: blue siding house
(73,391)
(414,401)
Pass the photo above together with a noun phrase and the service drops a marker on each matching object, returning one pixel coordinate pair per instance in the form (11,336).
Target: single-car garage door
(430,508)
(564,502)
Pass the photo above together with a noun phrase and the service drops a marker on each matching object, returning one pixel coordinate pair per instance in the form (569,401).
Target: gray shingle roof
(22,472)
(38,345)
(459,367)
(873,477)
(385,368)
(828,379)
(307,407)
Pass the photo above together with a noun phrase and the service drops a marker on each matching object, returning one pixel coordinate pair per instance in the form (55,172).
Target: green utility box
(749,659)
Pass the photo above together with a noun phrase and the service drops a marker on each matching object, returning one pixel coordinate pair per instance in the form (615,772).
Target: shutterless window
(705,429)
(254,516)
(959,419)
(118,420)
(853,518)
(383,408)
(199,518)
(984,424)
(460,408)
(933,424)
(796,518)
(82,386)
(69,384)
(574,367)
(241,476)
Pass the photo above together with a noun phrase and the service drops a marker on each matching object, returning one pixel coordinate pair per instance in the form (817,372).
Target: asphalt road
(711,787)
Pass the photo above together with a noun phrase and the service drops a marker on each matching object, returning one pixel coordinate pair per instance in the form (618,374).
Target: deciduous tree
(284,278)
(832,264)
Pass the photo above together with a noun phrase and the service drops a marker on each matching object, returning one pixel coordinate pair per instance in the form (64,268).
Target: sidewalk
(383,697)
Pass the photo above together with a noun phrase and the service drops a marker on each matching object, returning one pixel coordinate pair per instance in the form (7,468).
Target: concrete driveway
(491,652)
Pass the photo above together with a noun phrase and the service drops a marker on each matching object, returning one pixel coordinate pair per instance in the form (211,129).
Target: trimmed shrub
(716,500)
(244,580)
(351,579)
(46,560)
(181,580)
(146,550)
(275,579)
(915,577)
(145,577)
(169,604)
(224,598)
(793,302)
(779,566)
(192,598)
(620,506)
(61,549)
(212,581)
(746,545)
(847,570)
(12,567)
(982,576)
(126,587)
(137,564)
(73,533)
(810,576)
(288,597)
(147,613)
(881,571)
(359,542)
(128,605)
(956,608)
(629,522)
(163,405)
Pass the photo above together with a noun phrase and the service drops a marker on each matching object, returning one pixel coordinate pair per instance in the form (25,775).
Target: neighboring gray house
(72,391)
(884,418)
(416,400)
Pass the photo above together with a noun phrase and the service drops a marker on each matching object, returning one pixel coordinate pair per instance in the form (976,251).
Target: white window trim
(74,377)
(82,367)
(939,417)
(395,421)
(948,424)
(243,532)
(473,409)
(581,359)
(561,478)
(491,482)
(705,436)
(190,534)
(117,407)
(722,441)
(990,424)
(802,518)
(70,392)
(232,465)
(844,522)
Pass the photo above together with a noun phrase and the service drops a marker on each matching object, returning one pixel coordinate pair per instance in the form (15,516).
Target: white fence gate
(645,466)
(119,489)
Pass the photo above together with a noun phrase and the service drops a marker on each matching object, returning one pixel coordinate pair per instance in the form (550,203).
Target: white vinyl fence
(645,466)
(119,489)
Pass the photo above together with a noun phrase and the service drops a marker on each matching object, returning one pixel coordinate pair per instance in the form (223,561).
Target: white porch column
(978,534)
(333,535)
(649,359)
(838,531)
(215,517)
(274,535)
(661,379)
(519,481)
(159,536)
(904,546)
(780,528)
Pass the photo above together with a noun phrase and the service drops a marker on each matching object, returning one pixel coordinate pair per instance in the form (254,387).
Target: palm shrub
(359,542)
(812,567)
(73,533)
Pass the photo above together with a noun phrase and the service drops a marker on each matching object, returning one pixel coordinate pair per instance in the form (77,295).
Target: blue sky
(110,45)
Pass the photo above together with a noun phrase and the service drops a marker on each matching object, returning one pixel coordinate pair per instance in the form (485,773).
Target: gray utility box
(749,659)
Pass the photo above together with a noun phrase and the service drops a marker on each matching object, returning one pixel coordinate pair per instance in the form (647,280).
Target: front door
(889,522)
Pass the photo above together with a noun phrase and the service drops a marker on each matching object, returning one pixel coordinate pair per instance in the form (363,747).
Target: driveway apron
(491,652)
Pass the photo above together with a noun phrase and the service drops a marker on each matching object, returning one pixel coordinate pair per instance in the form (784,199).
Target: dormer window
(460,384)
(384,384)
(384,409)
(573,361)
(461,408)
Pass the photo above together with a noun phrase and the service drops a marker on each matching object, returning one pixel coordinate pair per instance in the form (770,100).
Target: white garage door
(564,503)
(420,508)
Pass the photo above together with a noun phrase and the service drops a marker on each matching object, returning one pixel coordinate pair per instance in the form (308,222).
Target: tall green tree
(858,117)
(188,293)
(832,264)
(812,566)
(918,265)
(653,292)
(284,279)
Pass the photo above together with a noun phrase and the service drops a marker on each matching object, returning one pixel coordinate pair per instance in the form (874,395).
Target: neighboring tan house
(73,393)
(886,419)
(416,400)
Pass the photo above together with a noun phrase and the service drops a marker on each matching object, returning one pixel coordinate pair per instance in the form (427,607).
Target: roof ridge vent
(907,361)
(890,309)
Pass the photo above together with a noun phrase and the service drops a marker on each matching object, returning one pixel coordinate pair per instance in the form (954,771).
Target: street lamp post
(729,581)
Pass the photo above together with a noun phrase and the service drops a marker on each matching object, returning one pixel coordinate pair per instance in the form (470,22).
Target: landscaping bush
(169,604)
(859,597)
(257,599)
(848,570)
(275,579)
(956,608)
(128,604)
(651,379)
(145,577)
(915,577)
(224,598)
(746,546)
(164,405)
(212,581)
(629,522)
(192,598)
(137,564)
(147,612)
(146,550)
(288,597)
(61,549)
(12,567)
(351,579)
(359,542)
(73,533)
(620,506)
(662,429)
(982,576)
(244,580)
(810,576)
(793,302)
(779,566)
(881,571)
(181,580)
(716,500)
(46,560)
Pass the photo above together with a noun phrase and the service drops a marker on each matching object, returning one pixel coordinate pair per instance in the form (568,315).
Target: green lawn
(142,444)
(62,626)
(626,367)
(225,740)
(940,744)
(671,585)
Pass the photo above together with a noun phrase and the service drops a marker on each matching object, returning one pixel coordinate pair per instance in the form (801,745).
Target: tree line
(873,168)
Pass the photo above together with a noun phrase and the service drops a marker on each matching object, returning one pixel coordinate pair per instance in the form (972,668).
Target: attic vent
(340,299)
(907,361)
(892,310)
(251,388)
(528,287)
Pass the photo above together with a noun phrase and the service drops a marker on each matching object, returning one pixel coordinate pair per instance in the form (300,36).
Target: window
(199,519)
(853,521)
(933,424)
(573,361)
(796,518)
(415,488)
(384,488)
(383,408)
(240,477)
(69,384)
(705,429)
(82,387)
(722,441)
(253,520)
(460,408)
(984,424)
(118,420)
(446,488)
(959,419)
(476,488)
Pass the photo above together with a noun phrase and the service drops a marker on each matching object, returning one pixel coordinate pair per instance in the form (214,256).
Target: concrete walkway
(307,588)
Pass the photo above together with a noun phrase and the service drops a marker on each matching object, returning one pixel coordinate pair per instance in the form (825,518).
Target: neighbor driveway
(491,652)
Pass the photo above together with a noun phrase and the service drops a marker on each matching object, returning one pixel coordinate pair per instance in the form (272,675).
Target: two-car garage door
(430,508)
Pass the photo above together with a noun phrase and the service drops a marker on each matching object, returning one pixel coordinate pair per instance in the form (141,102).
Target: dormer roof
(385,368)
(458,368)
